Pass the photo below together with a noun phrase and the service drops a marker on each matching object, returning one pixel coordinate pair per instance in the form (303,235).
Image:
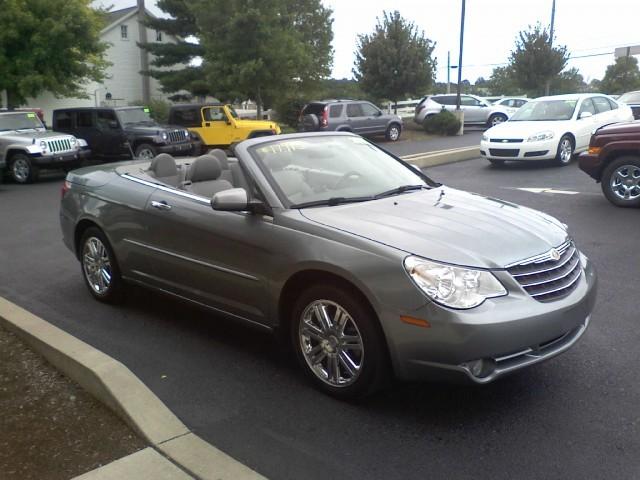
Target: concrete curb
(441,157)
(119,389)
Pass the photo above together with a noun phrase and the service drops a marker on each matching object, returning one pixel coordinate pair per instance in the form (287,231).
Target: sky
(586,27)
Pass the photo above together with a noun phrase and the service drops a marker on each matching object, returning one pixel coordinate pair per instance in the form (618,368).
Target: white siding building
(124,82)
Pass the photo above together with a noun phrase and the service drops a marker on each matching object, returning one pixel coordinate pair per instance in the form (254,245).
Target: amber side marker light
(595,150)
(418,322)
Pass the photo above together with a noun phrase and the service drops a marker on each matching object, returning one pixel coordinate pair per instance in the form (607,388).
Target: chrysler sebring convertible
(365,265)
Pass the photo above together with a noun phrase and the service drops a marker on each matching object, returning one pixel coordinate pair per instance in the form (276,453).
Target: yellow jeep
(218,125)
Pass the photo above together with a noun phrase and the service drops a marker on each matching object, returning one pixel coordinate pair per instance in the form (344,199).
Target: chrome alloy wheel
(625,182)
(331,343)
(96,265)
(566,150)
(394,133)
(146,154)
(20,170)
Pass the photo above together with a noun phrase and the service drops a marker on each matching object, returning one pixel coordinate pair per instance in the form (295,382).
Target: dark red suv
(613,159)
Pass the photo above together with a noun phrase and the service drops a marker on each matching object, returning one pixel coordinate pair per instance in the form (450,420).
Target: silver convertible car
(368,267)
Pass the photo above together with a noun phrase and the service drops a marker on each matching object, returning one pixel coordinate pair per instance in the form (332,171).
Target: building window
(158,36)
(124,32)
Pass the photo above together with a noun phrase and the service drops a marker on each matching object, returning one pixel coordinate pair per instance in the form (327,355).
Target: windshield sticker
(146,110)
(31,115)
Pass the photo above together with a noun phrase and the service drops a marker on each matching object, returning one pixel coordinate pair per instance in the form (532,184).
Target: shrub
(442,123)
(288,109)
(158,109)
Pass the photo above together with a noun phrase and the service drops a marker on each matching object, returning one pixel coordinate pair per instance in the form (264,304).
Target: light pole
(458,111)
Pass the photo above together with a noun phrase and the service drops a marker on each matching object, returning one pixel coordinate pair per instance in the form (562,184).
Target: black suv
(355,116)
(118,131)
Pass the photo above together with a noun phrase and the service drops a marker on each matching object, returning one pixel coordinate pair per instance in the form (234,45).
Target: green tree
(256,49)
(534,62)
(394,62)
(622,76)
(569,81)
(49,45)
(503,82)
(167,56)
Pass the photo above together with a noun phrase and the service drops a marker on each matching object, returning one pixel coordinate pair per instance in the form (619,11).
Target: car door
(584,126)
(474,110)
(374,121)
(604,115)
(214,258)
(85,128)
(355,118)
(216,126)
(109,137)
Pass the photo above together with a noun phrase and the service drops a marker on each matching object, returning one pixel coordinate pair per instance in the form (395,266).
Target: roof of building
(116,15)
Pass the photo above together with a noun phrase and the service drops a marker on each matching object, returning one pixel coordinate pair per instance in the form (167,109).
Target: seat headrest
(164,165)
(204,168)
(222,158)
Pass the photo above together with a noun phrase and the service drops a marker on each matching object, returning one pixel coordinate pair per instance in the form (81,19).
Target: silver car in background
(477,110)
(367,266)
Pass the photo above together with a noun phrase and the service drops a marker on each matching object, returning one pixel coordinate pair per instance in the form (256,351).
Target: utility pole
(449,71)
(460,57)
(547,86)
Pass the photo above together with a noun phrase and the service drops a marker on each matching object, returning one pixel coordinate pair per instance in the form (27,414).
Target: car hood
(513,129)
(30,136)
(625,127)
(448,225)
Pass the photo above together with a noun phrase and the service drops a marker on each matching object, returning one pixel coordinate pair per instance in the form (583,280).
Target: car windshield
(545,110)
(631,97)
(20,121)
(329,170)
(134,115)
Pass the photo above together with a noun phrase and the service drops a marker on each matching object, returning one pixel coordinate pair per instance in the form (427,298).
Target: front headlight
(43,146)
(186,133)
(485,137)
(164,136)
(455,287)
(73,141)
(547,135)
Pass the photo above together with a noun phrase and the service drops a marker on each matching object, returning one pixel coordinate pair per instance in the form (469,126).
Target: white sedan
(554,127)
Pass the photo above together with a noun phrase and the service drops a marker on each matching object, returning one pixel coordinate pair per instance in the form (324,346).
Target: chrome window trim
(193,260)
(168,189)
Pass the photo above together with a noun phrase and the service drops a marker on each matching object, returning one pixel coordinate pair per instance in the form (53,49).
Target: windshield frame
(533,103)
(284,199)
(29,115)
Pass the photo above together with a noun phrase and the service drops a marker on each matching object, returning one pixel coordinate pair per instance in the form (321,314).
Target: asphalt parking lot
(576,416)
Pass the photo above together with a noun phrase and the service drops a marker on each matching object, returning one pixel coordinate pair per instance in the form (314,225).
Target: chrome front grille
(176,136)
(58,145)
(546,278)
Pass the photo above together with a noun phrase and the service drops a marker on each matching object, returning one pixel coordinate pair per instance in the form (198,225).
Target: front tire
(144,151)
(99,266)
(621,182)
(393,132)
(496,119)
(338,342)
(22,170)
(564,153)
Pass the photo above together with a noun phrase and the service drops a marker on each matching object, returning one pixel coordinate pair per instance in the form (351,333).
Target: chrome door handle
(160,205)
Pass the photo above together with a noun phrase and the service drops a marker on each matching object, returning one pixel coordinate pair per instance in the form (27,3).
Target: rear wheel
(99,266)
(393,132)
(144,151)
(565,151)
(22,170)
(337,342)
(621,182)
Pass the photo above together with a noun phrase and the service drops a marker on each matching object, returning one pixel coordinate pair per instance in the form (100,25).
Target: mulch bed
(49,427)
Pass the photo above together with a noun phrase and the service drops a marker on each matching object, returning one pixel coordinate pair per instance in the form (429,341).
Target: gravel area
(49,427)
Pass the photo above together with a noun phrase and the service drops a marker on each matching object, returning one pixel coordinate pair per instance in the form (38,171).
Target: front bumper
(53,160)
(502,335)
(184,148)
(519,151)
(591,165)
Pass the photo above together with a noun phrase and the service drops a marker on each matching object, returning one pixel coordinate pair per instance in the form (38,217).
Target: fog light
(481,368)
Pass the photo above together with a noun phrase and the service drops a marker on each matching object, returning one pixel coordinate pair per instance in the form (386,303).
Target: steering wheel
(346,178)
